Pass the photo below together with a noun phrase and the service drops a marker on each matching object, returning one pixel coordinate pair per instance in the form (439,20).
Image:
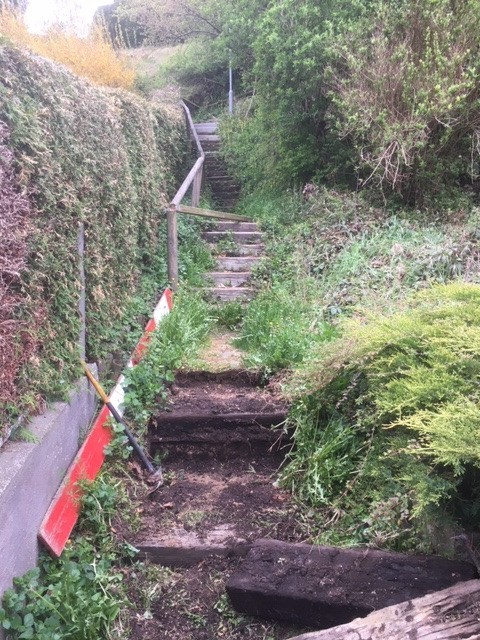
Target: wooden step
(181,548)
(325,586)
(243,249)
(208,138)
(237,263)
(240,237)
(449,614)
(236,226)
(206,128)
(230,293)
(229,278)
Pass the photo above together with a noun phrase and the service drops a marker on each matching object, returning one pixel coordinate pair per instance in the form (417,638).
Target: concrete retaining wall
(30,474)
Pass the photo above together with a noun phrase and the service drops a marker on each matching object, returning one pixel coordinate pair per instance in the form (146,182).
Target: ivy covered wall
(72,153)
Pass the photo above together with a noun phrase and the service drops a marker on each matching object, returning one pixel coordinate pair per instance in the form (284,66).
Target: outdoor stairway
(224,189)
(238,247)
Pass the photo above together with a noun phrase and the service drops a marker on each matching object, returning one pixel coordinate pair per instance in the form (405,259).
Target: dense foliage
(365,92)
(381,351)
(103,158)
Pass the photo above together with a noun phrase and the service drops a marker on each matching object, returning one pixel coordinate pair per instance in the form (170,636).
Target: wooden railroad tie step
(181,548)
(449,614)
(326,586)
(230,278)
(227,294)
(237,263)
(241,237)
(243,249)
(236,226)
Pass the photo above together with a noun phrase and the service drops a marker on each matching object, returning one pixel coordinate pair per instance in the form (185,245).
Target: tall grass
(91,57)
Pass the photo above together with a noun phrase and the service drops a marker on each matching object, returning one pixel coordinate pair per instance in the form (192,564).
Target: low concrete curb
(30,474)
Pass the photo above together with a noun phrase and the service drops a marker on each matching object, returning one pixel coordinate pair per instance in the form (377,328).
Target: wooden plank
(197,187)
(449,614)
(63,513)
(181,193)
(206,127)
(172,247)
(208,213)
(193,130)
(323,587)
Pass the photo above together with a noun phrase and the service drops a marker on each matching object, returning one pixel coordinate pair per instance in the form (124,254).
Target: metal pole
(230,93)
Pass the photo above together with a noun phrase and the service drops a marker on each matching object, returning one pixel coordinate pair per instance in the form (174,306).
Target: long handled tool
(154,473)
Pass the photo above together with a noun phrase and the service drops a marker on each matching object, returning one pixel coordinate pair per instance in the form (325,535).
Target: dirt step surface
(219,496)
(223,399)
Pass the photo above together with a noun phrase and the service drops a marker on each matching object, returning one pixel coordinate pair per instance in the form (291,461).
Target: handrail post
(197,187)
(172,247)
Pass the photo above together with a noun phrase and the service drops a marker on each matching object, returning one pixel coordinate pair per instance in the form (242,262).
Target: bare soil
(226,480)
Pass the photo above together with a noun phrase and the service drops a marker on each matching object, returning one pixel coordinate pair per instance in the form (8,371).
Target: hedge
(73,153)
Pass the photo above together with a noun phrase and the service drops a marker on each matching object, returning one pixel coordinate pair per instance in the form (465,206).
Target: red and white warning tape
(63,513)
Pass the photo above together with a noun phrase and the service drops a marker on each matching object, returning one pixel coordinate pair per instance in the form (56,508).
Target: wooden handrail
(181,193)
(193,131)
(194,177)
(208,213)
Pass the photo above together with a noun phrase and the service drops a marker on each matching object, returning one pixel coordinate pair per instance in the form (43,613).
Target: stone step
(230,293)
(240,237)
(236,226)
(229,278)
(237,263)
(243,249)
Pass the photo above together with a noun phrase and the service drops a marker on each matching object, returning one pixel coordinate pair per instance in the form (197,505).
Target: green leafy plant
(78,596)
(176,341)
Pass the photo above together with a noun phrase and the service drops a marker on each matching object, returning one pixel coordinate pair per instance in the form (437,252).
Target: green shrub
(403,85)
(395,402)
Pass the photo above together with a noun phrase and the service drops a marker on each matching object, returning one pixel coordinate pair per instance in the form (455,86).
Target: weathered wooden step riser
(236,226)
(242,250)
(240,263)
(326,586)
(187,548)
(208,137)
(206,128)
(168,424)
(224,185)
(449,614)
(239,237)
(216,170)
(228,294)
(230,278)
(210,146)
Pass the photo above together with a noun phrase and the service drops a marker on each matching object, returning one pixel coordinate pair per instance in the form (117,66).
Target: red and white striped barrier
(63,513)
